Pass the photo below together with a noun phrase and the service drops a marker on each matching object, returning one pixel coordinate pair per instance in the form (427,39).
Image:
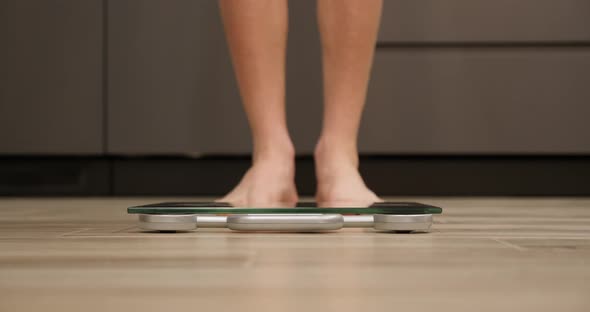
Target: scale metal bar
(350,221)
(354,221)
(358,221)
(190,222)
(211,221)
(285,222)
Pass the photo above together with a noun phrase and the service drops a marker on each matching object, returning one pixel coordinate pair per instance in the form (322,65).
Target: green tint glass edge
(231,210)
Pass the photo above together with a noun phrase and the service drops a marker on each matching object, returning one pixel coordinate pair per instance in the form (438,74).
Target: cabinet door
(172,89)
(485,20)
(478,101)
(50,77)
(477,76)
(171,85)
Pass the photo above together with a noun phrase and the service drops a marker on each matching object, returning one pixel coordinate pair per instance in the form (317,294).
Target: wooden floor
(483,254)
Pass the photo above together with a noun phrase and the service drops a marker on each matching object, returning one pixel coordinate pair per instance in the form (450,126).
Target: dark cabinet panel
(171,86)
(485,20)
(172,90)
(478,101)
(50,77)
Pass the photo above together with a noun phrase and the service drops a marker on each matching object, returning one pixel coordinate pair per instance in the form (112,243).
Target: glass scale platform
(303,217)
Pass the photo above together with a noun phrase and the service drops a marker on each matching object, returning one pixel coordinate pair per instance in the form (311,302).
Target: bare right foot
(269,182)
(339,182)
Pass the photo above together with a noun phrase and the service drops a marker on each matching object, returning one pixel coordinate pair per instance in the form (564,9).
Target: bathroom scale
(303,217)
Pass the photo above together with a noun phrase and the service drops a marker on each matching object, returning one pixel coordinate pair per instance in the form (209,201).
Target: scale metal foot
(167,223)
(402,223)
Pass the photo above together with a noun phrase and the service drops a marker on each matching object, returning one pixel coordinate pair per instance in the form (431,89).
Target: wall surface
(152,77)
(51,97)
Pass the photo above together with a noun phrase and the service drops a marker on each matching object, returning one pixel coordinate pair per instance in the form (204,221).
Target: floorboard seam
(509,245)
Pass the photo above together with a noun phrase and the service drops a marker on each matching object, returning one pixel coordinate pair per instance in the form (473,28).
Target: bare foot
(339,181)
(269,182)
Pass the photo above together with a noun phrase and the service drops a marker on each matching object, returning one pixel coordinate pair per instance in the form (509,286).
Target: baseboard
(54,176)
(211,176)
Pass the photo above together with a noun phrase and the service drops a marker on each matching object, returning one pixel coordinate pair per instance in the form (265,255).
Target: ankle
(333,154)
(279,152)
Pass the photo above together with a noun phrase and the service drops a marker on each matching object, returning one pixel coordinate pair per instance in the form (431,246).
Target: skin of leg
(348,30)
(256,32)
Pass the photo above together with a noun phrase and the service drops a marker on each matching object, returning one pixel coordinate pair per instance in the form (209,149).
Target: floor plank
(488,254)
